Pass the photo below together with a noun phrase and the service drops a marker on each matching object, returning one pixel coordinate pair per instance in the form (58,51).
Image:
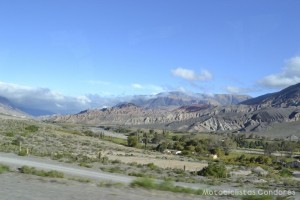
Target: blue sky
(79,48)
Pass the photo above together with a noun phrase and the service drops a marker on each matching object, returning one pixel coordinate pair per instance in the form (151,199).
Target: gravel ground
(15,186)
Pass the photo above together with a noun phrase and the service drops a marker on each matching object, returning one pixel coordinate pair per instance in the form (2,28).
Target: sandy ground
(15,186)
(191,166)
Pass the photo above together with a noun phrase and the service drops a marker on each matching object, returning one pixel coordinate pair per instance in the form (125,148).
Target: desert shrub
(105,160)
(23,152)
(110,184)
(132,141)
(84,164)
(152,166)
(9,134)
(133,164)
(214,169)
(164,186)
(144,183)
(81,180)
(34,171)
(116,161)
(3,168)
(116,169)
(88,133)
(17,141)
(285,173)
(137,174)
(32,128)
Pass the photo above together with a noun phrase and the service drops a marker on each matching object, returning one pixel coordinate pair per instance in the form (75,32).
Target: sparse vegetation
(91,149)
(165,186)
(34,171)
(110,184)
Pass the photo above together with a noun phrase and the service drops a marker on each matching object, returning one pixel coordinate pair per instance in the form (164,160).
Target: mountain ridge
(199,117)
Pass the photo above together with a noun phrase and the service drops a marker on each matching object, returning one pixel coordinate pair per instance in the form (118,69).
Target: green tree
(161,147)
(270,148)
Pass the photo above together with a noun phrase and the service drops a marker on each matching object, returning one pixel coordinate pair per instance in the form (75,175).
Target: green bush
(32,128)
(3,168)
(9,134)
(132,141)
(23,152)
(286,173)
(144,183)
(214,169)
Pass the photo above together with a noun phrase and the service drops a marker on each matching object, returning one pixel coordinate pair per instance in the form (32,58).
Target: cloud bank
(43,100)
(289,75)
(191,75)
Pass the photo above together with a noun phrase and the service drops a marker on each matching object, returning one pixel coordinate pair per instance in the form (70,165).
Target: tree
(270,148)
(132,141)
(145,139)
(288,146)
(161,147)
(227,145)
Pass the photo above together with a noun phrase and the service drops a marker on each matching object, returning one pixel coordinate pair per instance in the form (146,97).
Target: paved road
(46,164)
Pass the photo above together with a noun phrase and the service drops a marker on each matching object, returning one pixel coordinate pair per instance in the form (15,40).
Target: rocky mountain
(182,99)
(261,116)
(287,97)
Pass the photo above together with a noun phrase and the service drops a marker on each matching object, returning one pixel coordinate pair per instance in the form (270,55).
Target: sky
(81,51)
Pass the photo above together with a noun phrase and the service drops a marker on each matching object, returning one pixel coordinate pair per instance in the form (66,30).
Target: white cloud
(191,75)
(148,88)
(137,86)
(289,75)
(238,90)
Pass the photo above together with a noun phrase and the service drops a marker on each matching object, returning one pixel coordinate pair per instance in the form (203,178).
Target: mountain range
(257,114)
(192,112)
(162,100)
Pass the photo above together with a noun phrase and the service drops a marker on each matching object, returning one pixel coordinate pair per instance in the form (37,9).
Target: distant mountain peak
(287,97)
(126,105)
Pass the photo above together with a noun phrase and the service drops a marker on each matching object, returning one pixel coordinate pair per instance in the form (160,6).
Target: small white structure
(214,156)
